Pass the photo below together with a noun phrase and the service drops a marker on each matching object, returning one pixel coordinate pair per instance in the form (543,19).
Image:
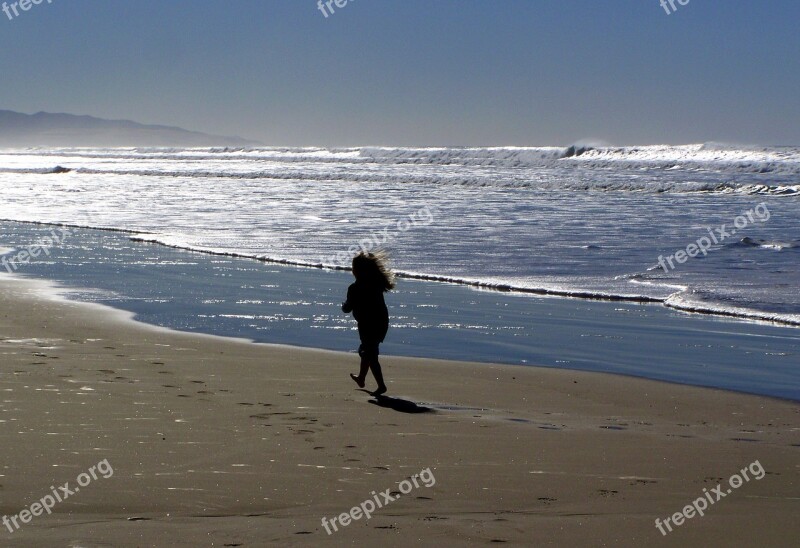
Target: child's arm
(347,306)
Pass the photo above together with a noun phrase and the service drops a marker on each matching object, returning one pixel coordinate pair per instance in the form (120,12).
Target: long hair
(373,269)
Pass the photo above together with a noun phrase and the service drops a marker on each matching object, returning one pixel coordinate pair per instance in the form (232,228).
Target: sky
(416,72)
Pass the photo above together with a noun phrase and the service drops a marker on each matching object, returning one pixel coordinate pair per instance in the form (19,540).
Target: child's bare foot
(380,390)
(359,382)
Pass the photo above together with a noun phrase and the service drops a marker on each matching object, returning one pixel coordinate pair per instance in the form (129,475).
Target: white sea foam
(586,222)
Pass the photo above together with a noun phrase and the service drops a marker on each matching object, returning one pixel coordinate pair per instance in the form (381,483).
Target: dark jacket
(369,309)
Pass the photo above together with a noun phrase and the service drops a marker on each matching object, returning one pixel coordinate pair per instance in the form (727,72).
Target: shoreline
(50,290)
(242,298)
(219,441)
(744,315)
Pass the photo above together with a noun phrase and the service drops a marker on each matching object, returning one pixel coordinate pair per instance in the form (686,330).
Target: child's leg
(362,374)
(375,366)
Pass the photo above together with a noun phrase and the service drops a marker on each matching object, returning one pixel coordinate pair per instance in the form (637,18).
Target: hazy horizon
(578,142)
(449,73)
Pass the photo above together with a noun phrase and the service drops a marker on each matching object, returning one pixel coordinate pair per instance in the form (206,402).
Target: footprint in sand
(309,419)
(266,415)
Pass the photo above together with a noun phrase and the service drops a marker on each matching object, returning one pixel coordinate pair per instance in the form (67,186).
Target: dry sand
(219,442)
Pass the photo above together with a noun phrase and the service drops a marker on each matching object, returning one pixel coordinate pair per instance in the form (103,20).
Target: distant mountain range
(68,130)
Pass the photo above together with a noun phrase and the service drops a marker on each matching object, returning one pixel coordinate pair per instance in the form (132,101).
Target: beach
(222,442)
(301,306)
(402,274)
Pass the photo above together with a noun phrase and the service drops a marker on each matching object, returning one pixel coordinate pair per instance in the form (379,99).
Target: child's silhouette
(365,301)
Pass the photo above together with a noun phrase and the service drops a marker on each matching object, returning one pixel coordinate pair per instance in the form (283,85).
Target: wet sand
(220,442)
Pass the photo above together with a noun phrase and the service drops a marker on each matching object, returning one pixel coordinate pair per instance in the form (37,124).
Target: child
(365,301)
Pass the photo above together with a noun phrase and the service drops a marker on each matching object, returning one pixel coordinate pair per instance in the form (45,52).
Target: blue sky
(417,72)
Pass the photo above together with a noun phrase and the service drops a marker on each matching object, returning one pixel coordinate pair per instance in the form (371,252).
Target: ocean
(614,223)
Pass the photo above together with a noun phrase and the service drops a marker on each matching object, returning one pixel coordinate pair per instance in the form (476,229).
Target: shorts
(369,351)
(371,335)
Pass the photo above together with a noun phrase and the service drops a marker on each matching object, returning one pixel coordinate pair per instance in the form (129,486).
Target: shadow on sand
(397,404)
